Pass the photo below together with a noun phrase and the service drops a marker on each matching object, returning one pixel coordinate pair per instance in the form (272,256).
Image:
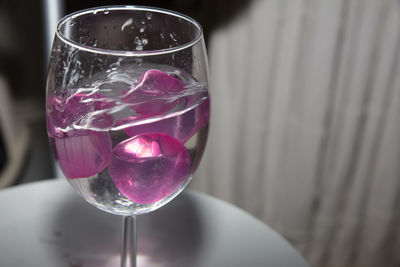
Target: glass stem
(128,253)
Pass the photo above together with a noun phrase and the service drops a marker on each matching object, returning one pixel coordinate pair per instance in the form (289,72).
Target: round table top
(47,224)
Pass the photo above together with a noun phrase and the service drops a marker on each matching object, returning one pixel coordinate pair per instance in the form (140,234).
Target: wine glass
(127,108)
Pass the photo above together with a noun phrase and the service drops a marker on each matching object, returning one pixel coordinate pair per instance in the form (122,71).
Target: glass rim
(96,50)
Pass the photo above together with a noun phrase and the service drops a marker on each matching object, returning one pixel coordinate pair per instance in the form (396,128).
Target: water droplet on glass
(143,21)
(106,11)
(162,35)
(142,29)
(127,23)
(138,40)
(148,15)
(173,36)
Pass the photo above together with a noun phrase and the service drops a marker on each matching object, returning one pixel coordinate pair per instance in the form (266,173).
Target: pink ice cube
(63,112)
(182,127)
(82,153)
(151,93)
(149,167)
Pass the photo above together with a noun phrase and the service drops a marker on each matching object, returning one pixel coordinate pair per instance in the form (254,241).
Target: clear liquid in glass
(128,140)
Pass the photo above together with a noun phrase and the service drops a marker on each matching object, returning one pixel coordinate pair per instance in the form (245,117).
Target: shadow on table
(86,236)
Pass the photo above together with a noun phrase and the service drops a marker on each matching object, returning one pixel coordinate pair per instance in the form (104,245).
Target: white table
(47,224)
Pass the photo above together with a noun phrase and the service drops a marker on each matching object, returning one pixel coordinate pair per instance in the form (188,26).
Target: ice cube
(154,93)
(149,167)
(82,153)
(78,108)
(181,127)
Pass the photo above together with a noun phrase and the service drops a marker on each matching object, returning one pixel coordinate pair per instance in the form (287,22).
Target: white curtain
(305,129)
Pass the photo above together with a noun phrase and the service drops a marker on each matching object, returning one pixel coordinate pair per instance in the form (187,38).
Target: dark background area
(23,60)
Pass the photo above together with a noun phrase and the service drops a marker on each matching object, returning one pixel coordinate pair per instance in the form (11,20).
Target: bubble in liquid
(149,167)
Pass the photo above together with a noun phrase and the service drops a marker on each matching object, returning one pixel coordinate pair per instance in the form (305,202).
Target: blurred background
(305,130)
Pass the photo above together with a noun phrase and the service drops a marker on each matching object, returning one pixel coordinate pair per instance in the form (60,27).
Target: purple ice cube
(149,167)
(82,153)
(151,92)
(64,112)
(182,127)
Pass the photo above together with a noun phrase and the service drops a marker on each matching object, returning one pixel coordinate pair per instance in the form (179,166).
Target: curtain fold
(305,130)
